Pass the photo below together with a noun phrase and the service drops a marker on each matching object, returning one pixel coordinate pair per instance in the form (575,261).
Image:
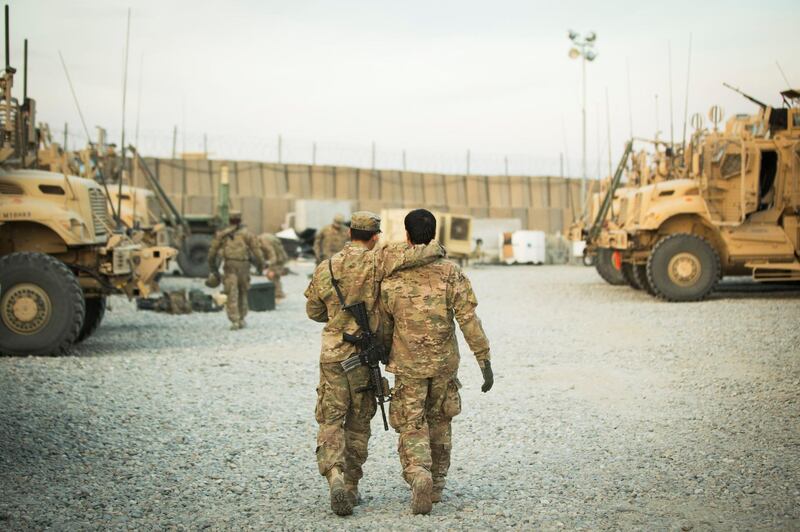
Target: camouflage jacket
(329,241)
(272,248)
(235,243)
(419,305)
(359,272)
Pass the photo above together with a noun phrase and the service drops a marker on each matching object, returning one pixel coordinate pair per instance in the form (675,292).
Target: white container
(527,247)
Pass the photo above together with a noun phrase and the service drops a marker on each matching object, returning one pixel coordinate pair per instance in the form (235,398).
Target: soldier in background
(276,257)
(330,239)
(236,246)
(342,412)
(419,304)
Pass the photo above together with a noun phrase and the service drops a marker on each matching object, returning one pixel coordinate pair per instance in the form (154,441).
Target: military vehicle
(60,253)
(735,212)
(453,231)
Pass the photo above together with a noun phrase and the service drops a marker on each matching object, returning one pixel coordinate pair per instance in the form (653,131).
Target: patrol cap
(365,221)
(338,219)
(235,214)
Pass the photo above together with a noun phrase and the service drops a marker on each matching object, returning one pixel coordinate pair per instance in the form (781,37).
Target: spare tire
(193,255)
(41,305)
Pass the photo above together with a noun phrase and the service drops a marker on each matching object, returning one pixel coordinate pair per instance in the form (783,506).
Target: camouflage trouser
(344,417)
(420,411)
(235,283)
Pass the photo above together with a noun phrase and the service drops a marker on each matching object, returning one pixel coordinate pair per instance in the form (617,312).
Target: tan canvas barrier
(273,213)
(413,188)
(455,189)
(346,183)
(391,186)
(477,191)
(499,192)
(434,190)
(520,191)
(274,180)
(546,203)
(322,182)
(299,178)
(199,205)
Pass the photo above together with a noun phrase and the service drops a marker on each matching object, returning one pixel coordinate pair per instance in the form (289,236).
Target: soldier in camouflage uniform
(343,414)
(419,306)
(331,239)
(276,257)
(236,245)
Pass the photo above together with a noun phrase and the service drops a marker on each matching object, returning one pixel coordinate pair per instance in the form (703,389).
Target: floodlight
(591,36)
(590,55)
(573,35)
(574,53)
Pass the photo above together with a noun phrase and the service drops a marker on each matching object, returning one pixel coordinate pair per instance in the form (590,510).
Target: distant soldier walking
(342,412)
(331,239)
(420,304)
(276,257)
(236,246)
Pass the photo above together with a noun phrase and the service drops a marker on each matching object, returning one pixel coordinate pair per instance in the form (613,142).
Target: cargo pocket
(396,407)
(451,406)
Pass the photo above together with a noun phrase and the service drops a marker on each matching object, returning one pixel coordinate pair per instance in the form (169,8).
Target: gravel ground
(610,411)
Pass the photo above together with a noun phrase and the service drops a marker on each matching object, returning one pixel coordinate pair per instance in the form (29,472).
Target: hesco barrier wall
(265,192)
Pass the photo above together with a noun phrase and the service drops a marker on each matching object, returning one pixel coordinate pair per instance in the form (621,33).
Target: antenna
(686,102)
(85,130)
(75,98)
(8,45)
(608,132)
(139,102)
(25,72)
(630,108)
(671,128)
(124,97)
(789,85)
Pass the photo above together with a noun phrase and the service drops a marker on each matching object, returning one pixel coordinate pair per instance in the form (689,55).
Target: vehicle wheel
(683,267)
(640,273)
(630,278)
(606,266)
(193,255)
(95,310)
(41,305)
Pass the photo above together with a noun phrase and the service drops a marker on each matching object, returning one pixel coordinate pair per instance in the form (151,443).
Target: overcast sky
(432,77)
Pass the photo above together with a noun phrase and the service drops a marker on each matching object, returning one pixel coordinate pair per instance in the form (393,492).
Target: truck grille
(99,211)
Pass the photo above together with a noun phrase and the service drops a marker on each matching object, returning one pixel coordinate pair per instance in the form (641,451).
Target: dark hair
(361,235)
(421,226)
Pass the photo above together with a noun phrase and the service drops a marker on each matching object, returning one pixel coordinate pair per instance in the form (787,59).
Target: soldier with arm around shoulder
(422,305)
(342,412)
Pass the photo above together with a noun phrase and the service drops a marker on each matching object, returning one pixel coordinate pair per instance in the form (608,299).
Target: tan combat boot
(353,493)
(436,493)
(421,489)
(340,500)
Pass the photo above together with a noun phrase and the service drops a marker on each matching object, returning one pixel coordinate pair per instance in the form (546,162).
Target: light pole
(583,47)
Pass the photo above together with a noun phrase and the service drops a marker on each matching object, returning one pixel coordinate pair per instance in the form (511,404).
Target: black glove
(488,376)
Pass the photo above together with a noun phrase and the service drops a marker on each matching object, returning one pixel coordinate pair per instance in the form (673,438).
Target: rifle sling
(335,284)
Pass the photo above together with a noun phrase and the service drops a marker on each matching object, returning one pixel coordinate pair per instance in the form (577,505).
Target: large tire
(628,275)
(95,310)
(607,267)
(41,305)
(193,255)
(683,267)
(640,273)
